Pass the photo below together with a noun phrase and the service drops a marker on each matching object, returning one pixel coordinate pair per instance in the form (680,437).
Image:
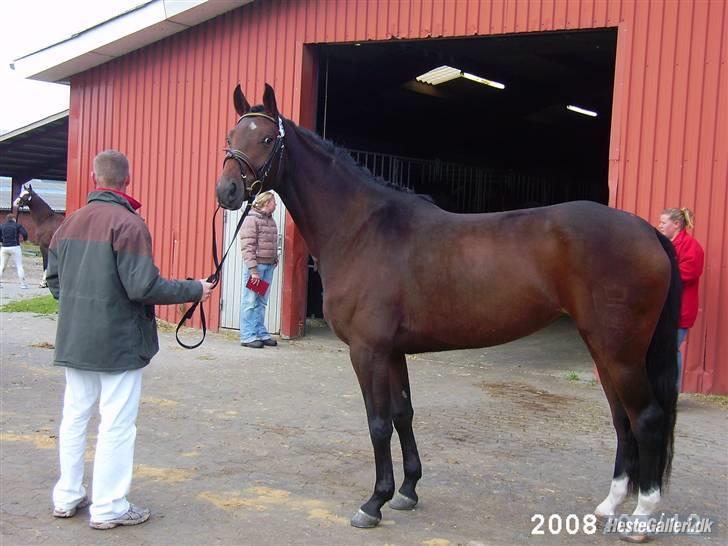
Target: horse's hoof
(402,502)
(601,521)
(364,521)
(635,538)
(43,285)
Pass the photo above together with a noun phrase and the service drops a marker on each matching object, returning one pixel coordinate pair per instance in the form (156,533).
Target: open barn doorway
(489,130)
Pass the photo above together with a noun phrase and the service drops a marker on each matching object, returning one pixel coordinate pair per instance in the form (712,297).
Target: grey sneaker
(134,516)
(70,512)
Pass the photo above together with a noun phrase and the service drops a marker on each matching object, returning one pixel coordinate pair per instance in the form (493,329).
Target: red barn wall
(168,107)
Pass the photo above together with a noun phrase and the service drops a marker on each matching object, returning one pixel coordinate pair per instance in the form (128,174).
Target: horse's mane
(343,156)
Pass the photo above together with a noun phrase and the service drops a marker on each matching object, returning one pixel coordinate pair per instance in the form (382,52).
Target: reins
(214,279)
(253,190)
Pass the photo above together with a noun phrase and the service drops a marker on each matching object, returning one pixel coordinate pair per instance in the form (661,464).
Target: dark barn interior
(470,146)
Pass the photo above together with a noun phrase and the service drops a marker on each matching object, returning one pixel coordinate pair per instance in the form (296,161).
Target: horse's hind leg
(372,370)
(402,414)
(626,467)
(641,443)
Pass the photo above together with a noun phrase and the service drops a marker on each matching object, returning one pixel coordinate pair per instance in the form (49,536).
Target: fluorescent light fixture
(583,111)
(478,79)
(446,73)
(440,74)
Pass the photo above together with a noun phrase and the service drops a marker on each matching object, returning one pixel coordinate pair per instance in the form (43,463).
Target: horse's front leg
(372,371)
(44,254)
(402,414)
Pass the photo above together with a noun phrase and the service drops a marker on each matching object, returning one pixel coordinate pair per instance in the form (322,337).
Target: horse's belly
(473,325)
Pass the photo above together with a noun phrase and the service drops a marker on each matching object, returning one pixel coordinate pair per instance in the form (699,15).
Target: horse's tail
(662,363)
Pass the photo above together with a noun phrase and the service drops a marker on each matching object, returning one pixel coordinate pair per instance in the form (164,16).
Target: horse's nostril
(233,189)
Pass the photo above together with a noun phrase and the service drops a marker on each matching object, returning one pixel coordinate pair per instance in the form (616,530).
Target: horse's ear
(241,105)
(269,101)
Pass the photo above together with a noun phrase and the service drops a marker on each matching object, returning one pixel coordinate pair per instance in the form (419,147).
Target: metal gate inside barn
(459,187)
(232,275)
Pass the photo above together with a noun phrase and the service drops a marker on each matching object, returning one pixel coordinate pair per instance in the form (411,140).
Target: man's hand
(254,276)
(206,290)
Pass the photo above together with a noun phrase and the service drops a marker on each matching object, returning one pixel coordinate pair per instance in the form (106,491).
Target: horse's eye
(267,140)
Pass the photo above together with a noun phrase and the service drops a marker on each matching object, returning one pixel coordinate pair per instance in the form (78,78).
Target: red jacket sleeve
(691,262)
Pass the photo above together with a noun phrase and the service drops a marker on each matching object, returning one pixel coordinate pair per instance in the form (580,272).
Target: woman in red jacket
(690,258)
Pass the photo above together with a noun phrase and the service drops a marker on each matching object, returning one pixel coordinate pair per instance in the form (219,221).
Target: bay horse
(46,221)
(402,276)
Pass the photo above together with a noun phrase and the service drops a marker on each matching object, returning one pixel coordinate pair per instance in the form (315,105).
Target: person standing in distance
(100,268)
(691,260)
(259,245)
(11,232)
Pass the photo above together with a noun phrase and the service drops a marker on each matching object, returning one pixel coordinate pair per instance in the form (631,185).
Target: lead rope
(214,278)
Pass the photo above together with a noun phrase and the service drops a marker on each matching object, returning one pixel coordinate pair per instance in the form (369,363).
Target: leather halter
(243,161)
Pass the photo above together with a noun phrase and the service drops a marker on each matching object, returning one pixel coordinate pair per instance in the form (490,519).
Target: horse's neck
(39,209)
(325,197)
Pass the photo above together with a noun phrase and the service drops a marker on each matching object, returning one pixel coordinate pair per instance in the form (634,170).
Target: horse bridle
(25,202)
(243,160)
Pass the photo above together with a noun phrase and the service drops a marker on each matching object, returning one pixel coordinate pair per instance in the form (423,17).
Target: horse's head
(254,151)
(26,195)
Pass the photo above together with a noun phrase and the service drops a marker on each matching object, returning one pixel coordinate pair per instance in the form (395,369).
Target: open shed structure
(156,83)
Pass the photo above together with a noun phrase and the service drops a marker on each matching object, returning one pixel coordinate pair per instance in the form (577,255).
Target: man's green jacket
(101,270)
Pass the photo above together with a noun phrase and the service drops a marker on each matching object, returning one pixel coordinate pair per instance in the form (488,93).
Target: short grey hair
(111,168)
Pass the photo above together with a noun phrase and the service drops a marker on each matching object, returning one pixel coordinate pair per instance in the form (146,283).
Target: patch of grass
(164,326)
(42,305)
(713,399)
(572,376)
(43,345)
(30,249)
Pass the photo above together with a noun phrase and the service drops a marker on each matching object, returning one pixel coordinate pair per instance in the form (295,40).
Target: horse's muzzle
(230,194)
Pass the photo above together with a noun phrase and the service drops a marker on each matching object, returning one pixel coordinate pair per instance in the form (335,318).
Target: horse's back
(476,280)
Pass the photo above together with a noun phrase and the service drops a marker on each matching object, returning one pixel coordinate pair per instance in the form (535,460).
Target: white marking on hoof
(617,494)
(362,520)
(402,502)
(646,506)
(647,503)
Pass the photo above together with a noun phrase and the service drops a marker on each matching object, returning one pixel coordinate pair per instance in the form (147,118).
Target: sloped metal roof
(38,150)
(140,26)
(51,191)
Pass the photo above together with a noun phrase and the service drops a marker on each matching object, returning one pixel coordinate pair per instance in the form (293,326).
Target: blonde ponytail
(688,217)
(683,216)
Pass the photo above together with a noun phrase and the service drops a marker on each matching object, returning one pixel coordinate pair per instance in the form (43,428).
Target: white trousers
(16,253)
(118,395)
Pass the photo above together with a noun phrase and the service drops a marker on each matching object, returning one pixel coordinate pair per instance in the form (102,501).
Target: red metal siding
(168,107)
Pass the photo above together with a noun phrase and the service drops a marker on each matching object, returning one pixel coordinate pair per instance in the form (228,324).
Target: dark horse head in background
(46,220)
(402,276)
